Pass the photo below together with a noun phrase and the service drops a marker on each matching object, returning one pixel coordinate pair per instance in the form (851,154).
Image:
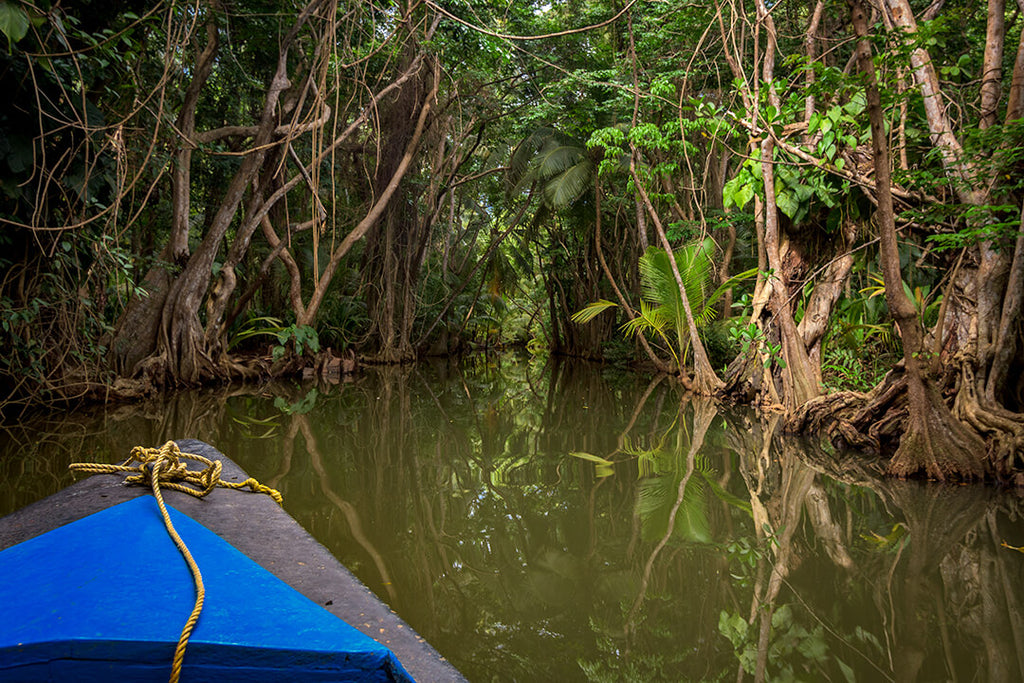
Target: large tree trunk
(391,256)
(136,334)
(377,210)
(799,377)
(178,354)
(987,342)
(827,291)
(934,441)
(978,337)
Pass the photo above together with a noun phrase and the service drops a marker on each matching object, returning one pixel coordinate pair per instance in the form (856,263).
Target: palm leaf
(591,458)
(729,284)
(592,310)
(522,158)
(658,282)
(557,156)
(568,186)
(652,319)
(649,319)
(555,162)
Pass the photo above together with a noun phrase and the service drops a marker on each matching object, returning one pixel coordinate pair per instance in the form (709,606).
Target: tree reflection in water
(689,543)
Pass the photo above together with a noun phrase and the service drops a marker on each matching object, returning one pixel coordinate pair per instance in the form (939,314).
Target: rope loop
(168,465)
(165,467)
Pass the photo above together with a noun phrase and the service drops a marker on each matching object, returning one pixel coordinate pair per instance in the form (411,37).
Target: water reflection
(540,522)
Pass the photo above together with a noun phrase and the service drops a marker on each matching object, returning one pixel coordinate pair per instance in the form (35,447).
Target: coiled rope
(163,468)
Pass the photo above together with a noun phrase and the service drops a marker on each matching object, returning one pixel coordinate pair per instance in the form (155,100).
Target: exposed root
(938,444)
(743,379)
(973,441)
(870,422)
(1002,430)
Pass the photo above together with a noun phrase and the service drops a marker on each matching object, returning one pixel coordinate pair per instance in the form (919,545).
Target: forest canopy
(811,207)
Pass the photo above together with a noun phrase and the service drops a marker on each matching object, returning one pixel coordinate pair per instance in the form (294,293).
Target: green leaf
(738,191)
(13,22)
(565,188)
(734,627)
(814,123)
(787,202)
(591,458)
(592,310)
(743,195)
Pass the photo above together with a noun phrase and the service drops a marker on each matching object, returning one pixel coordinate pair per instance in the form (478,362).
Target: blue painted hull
(104,599)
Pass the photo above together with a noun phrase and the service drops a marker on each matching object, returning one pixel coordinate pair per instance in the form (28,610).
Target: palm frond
(649,319)
(522,158)
(557,163)
(556,157)
(729,284)
(565,188)
(592,310)
(658,283)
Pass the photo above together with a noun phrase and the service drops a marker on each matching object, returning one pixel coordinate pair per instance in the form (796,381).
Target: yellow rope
(162,467)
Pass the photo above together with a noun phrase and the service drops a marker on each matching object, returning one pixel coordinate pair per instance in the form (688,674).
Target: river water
(565,522)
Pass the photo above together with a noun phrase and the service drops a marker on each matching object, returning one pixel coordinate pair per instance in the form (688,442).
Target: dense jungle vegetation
(209,190)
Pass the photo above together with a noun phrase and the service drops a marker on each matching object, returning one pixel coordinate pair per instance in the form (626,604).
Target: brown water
(541,523)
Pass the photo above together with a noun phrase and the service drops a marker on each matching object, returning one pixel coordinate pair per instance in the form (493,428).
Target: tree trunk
(1003,425)
(374,214)
(799,379)
(827,291)
(136,334)
(392,245)
(992,69)
(934,441)
(180,356)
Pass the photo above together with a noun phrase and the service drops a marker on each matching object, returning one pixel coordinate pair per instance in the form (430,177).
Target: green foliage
(23,358)
(990,223)
(14,22)
(861,344)
(794,652)
(299,339)
(844,368)
(751,336)
(592,310)
(343,321)
(300,407)
(719,344)
(555,162)
(661,308)
(800,191)
(256,326)
(742,187)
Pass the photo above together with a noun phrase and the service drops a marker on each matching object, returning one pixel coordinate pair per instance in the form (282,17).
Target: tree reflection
(705,548)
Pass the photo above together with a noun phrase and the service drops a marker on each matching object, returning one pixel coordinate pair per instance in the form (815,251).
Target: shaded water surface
(564,523)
